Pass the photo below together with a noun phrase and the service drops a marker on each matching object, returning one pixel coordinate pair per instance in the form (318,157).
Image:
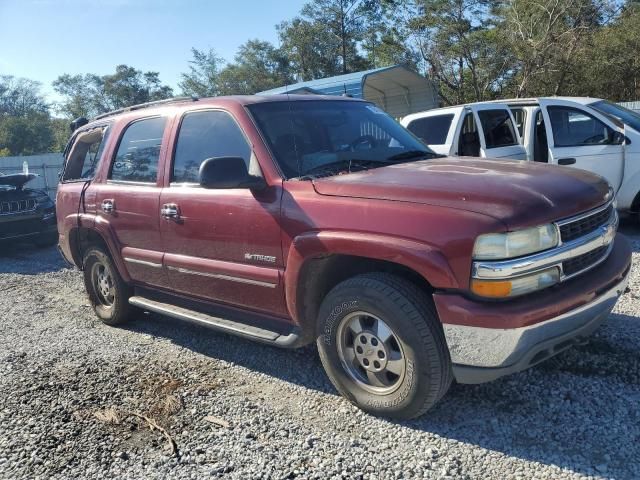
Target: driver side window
(572,127)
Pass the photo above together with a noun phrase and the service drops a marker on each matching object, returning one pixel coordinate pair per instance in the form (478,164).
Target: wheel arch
(82,238)
(319,261)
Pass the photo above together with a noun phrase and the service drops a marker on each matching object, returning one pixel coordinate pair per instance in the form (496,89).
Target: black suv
(25,213)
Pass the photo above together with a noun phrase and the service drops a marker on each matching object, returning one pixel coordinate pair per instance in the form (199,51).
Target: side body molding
(420,257)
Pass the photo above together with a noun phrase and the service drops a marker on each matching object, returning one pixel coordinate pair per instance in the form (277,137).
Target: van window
(432,130)
(206,135)
(469,145)
(572,127)
(139,152)
(85,155)
(498,128)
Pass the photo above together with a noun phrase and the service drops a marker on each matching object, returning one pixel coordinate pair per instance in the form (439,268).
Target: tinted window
(87,151)
(206,135)
(498,128)
(322,136)
(139,151)
(432,130)
(572,127)
(624,115)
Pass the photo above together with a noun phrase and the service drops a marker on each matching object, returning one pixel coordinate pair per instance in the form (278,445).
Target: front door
(221,245)
(584,139)
(128,203)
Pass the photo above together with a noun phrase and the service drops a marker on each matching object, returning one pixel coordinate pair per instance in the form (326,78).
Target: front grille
(17,206)
(586,260)
(584,226)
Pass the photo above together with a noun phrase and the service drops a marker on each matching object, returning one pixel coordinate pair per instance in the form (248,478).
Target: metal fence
(46,166)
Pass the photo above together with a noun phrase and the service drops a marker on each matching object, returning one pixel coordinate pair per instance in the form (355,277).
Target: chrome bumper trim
(503,269)
(504,348)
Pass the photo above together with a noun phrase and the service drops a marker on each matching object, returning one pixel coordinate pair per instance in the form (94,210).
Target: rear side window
(432,130)
(139,152)
(85,155)
(572,127)
(498,128)
(206,135)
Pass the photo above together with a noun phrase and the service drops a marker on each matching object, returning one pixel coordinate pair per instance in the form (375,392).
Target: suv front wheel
(108,293)
(382,345)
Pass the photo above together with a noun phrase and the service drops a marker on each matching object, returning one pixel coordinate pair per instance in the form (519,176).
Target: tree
(202,79)
(458,46)
(258,66)
(89,95)
(24,117)
(546,37)
(324,40)
(609,65)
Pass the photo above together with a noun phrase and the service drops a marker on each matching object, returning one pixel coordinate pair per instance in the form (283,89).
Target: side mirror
(619,138)
(228,172)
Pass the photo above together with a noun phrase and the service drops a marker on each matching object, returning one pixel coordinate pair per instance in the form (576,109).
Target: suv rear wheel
(108,293)
(382,345)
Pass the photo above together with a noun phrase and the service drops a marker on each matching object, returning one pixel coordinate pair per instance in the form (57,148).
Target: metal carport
(396,89)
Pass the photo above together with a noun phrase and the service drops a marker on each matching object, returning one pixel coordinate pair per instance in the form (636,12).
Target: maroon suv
(289,219)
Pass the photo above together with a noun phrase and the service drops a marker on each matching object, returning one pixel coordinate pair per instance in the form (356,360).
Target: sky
(42,39)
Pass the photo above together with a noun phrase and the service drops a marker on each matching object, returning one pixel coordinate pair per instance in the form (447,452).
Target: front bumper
(18,227)
(508,337)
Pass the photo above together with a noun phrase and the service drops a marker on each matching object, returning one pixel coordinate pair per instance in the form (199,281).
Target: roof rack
(147,105)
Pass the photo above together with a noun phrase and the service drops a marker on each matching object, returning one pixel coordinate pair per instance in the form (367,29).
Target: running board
(228,326)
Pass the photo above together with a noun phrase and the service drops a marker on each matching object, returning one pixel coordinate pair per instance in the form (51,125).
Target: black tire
(112,308)
(46,240)
(411,316)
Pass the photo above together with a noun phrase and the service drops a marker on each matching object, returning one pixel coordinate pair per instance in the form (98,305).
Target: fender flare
(102,228)
(422,258)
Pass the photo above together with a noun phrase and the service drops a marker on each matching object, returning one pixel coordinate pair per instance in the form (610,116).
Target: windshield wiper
(338,165)
(413,154)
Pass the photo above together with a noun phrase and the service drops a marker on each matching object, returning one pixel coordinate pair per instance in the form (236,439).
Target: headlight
(516,286)
(500,246)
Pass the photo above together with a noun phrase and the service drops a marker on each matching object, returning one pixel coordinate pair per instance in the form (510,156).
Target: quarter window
(432,130)
(204,135)
(498,128)
(572,127)
(87,151)
(139,152)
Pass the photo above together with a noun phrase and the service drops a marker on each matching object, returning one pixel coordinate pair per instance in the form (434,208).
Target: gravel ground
(71,390)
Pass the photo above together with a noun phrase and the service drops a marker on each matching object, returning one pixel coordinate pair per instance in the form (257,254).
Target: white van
(587,133)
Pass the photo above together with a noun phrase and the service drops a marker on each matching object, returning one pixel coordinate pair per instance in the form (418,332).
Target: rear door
(437,130)
(499,137)
(583,138)
(128,202)
(222,245)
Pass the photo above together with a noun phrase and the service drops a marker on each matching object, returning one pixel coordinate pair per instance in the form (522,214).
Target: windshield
(626,116)
(319,138)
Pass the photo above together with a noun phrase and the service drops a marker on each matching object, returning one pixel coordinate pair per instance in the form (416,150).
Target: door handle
(170,211)
(108,206)
(566,161)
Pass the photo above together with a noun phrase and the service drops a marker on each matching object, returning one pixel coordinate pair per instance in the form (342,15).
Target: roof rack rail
(146,105)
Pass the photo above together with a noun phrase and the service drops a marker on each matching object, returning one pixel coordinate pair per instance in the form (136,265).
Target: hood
(520,194)
(16,179)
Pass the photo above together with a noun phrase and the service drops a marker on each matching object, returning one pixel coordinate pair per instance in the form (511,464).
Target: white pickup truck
(587,133)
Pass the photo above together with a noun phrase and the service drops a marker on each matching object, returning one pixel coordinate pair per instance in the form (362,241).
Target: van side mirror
(619,138)
(228,172)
